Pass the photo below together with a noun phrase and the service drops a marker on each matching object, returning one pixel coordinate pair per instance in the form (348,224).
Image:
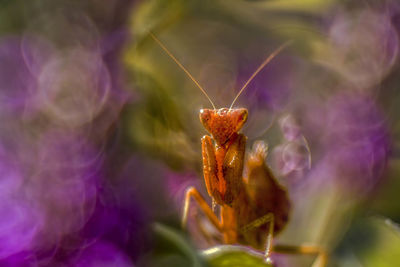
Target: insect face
(223,123)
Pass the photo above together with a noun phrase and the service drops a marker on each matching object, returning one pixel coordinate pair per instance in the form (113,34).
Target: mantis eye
(205,116)
(244,116)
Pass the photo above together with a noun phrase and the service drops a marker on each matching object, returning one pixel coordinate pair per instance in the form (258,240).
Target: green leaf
(238,256)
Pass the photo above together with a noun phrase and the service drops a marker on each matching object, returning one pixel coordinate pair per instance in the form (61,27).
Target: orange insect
(253,206)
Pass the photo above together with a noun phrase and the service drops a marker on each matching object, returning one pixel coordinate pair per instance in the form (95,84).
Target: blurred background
(100,137)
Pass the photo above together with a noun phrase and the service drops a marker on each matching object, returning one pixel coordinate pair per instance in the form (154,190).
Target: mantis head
(223,123)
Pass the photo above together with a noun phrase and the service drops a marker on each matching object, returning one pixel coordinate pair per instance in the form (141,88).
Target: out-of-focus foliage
(234,256)
(172,249)
(373,242)
(385,252)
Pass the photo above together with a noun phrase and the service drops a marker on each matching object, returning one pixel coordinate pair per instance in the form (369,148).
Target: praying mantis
(254,207)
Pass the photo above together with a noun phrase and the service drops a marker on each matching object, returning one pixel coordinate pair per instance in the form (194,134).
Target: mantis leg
(320,261)
(210,238)
(210,168)
(192,192)
(268,218)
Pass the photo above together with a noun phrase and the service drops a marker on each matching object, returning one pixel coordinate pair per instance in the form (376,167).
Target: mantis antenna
(181,66)
(266,61)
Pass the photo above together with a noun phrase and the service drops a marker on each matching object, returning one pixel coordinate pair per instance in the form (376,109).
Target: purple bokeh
(353,138)
(271,88)
(102,254)
(18,85)
(20,215)
(364,45)
(59,102)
